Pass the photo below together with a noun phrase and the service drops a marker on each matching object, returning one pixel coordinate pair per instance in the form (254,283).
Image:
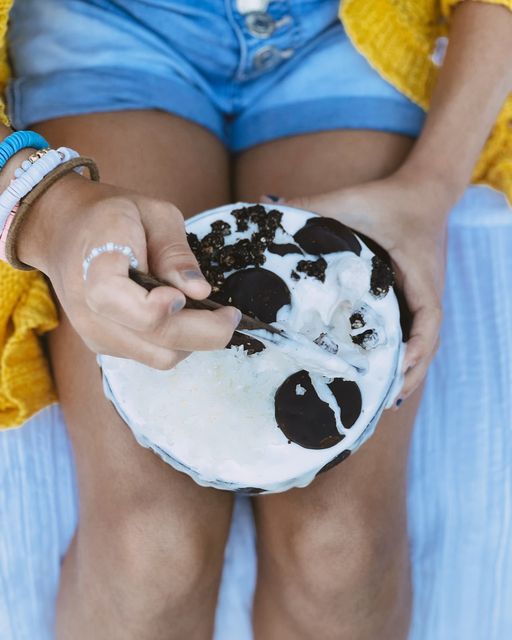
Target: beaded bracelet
(28,178)
(50,179)
(30,161)
(17,141)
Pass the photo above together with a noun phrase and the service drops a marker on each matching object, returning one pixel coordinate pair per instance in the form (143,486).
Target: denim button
(260,25)
(268,57)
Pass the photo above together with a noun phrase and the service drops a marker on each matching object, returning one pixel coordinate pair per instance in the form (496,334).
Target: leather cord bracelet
(25,204)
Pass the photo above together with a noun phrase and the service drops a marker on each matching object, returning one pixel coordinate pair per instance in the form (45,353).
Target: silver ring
(110,247)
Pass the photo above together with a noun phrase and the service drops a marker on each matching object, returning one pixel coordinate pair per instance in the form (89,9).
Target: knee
(154,560)
(335,564)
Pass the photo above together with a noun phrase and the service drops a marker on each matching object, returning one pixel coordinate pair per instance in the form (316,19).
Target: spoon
(318,358)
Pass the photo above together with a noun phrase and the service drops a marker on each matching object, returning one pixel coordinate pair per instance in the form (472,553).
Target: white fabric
(460,487)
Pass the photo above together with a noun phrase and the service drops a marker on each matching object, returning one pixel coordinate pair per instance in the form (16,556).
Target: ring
(110,247)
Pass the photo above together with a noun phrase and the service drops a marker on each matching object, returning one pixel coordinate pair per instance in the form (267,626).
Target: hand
(110,312)
(408,219)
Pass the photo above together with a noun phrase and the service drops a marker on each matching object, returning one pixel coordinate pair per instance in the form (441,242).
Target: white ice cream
(213,416)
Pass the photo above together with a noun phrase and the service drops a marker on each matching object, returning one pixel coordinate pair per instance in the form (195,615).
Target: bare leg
(333,558)
(146,560)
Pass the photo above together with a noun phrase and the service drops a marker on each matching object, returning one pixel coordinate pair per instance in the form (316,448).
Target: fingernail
(399,402)
(192,274)
(237,316)
(177,305)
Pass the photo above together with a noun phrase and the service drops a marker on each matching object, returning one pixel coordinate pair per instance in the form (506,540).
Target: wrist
(7,173)
(47,218)
(442,188)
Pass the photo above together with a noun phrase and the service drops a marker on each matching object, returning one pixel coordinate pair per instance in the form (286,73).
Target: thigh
(368,489)
(169,158)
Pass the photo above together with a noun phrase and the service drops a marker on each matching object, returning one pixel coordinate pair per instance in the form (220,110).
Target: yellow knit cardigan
(398,37)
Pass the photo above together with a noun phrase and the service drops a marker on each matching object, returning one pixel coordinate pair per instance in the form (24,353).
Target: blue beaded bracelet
(17,141)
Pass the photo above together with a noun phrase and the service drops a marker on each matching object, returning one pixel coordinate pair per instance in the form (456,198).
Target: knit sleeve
(5,6)
(26,312)
(447,6)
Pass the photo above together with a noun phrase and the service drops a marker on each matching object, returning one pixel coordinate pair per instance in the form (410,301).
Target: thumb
(169,254)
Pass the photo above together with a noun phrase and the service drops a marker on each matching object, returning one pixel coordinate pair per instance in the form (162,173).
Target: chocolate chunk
(326,343)
(367,339)
(194,243)
(326,235)
(243,253)
(268,222)
(283,249)
(305,419)
(242,218)
(214,275)
(250,345)
(405,314)
(382,278)
(357,320)
(258,238)
(257,292)
(313,268)
(348,397)
(339,458)
(222,227)
(211,243)
(294,275)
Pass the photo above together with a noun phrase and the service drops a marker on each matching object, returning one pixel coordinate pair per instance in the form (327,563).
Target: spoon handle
(247,323)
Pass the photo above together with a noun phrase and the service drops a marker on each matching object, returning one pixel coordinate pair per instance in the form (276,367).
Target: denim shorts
(250,71)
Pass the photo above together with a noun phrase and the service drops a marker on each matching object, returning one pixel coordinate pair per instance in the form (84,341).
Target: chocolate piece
(368,339)
(242,218)
(405,314)
(348,397)
(250,345)
(214,275)
(326,235)
(305,419)
(283,249)
(257,292)
(222,227)
(339,458)
(258,238)
(211,243)
(357,320)
(294,275)
(194,243)
(382,278)
(243,253)
(268,222)
(326,343)
(313,268)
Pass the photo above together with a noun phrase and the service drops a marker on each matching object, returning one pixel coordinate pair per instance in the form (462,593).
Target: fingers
(127,344)
(191,330)
(169,254)
(162,349)
(425,305)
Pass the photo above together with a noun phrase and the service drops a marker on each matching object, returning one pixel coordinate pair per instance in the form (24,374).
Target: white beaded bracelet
(29,177)
(110,247)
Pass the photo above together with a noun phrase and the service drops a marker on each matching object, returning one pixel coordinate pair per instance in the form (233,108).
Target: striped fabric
(460,497)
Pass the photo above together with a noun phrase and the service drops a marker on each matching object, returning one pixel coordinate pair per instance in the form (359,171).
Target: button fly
(259,24)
